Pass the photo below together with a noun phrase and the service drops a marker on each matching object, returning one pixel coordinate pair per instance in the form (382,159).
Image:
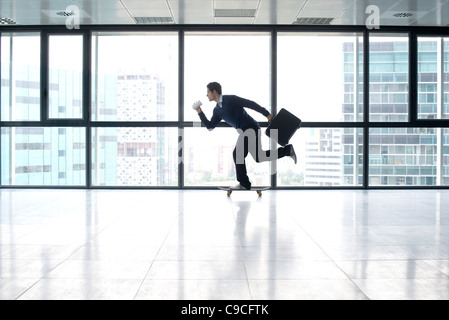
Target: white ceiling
(275,12)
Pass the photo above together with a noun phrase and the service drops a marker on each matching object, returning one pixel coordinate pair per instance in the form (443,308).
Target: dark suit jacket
(233,113)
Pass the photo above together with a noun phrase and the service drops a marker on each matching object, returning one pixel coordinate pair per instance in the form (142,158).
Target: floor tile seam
(405,286)
(289,279)
(330,258)
(91,278)
(415,256)
(296,260)
(240,246)
(389,238)
(399,278)
(196,260)
(25,234)
(243,279)
(92,237)
(442,275)
(27,289)
(176,218)
(426,262)
(354,280)
(45,275)
(35,283)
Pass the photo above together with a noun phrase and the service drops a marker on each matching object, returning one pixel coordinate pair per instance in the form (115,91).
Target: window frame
(46,88)
(88,124)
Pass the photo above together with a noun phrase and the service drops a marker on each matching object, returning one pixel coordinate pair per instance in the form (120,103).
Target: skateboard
(229,190)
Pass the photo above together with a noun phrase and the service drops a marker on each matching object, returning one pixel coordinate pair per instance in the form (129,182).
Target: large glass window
(389,78)
(43,156)
(443,158)
(134,157)
(240,62)
(408,157)
(208,159)
(433,78)
(66,76)
(326,157)
(134,76)
(20,76)
(320,76)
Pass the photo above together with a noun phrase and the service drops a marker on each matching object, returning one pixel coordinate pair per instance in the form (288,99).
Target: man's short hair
(214,86)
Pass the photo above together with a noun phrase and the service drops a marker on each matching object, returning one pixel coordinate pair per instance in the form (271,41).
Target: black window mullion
(1,35)
(44,77)
(181,131)
(413,78)
(274,108)
(366,109)
(87,56)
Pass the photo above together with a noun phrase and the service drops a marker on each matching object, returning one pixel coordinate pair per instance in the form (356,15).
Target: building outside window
(320,79)
(20,76)
(135,78)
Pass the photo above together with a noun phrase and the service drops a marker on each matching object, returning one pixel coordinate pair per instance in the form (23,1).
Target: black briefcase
(286,125)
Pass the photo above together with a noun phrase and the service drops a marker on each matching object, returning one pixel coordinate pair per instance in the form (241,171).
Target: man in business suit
(230,108)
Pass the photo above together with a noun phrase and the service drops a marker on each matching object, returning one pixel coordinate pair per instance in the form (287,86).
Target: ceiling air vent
(235,13)
(65,13)
(403,15)
(7,21)
(314,21)
(150,20)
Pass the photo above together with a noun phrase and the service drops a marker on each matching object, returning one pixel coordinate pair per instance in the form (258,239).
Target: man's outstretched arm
(212,124)
(256,107)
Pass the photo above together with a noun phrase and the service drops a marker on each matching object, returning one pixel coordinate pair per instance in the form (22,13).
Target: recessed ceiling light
(7,21)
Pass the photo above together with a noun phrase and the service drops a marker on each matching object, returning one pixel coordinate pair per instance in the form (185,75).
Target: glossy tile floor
(188,244)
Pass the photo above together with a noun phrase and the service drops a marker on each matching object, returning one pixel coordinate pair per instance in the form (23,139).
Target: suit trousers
(249,141)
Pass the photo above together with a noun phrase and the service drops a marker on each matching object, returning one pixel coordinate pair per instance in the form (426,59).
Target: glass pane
(20,76)
(326,157)
(43,156)
(239,62)
(208,159)
(433,78)
(320,76)
(445,159)
(132,157)
(135,76)
(66,77)
(408,157)
(389,78)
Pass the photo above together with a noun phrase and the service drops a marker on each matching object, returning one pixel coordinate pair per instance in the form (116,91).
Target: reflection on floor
(188,244)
